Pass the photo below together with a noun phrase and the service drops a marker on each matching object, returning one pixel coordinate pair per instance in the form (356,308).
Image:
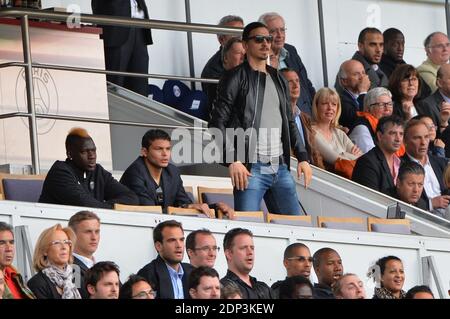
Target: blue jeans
(277,187)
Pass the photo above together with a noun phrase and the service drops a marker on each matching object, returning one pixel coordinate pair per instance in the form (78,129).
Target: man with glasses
(437,48)
(201,248)
(378,168)
(204,283)
(255,97)
(137,287)
(298,262)
(15,287)
(284,55)
(377,104)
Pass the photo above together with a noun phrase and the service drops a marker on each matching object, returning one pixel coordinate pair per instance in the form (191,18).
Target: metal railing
(28,65)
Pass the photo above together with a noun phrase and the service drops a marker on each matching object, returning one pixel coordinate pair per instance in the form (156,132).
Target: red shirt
(10,273)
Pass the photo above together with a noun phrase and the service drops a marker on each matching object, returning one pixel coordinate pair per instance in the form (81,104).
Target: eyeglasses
(207,249)
(61,242)
(146,294)
(261,38)
(301,258)
(441,46)
(431,126)
(275,30)
(159,196)
(411,79)
(387,105)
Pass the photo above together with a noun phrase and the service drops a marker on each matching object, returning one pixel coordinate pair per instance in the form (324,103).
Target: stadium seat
(155,93)
(195,104)
(25,188)
(187,212)
(393,226)
(254,217)
(174,92)
(289,220)
(344,223)
(137,208)
(190,192)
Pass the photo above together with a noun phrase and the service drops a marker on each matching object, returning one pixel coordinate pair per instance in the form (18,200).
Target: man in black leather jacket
(254,97)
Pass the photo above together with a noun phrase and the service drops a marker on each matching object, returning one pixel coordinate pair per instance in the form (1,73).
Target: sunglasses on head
(261,38)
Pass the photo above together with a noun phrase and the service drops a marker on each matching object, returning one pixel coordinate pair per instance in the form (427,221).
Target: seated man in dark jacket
(167,272)
(328,268)
(80,181)
(154,179)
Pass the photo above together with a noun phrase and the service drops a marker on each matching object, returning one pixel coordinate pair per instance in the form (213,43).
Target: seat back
(187,212)
(155,93)
(190,192)
(293,220)
(174,92)
(136,208)
(195,104)
(393,226)
(345,223)
(254,217)
(26,188)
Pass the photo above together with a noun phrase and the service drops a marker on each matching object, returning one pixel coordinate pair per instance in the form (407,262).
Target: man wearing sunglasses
(255,97)
(298,262)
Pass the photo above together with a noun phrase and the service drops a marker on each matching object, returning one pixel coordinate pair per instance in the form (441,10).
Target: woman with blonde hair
(52,259)
(331,141)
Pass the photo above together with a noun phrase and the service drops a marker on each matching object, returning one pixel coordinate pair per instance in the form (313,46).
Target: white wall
(344,19)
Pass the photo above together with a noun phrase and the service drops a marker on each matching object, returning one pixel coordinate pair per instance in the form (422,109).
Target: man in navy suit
(125,48)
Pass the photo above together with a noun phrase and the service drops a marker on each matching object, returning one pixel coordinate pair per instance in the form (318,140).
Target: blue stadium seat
(25,190)
(195,104)
(155,93)
(174,92)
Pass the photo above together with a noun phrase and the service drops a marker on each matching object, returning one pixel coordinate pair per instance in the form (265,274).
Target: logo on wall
(46,99)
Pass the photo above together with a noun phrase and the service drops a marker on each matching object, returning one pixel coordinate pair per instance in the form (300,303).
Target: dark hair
(383,261)
(198,273)
(81,216)
(362,34)
(416,289)
(401,72)
(287,69)
(228,45)
(230,289)
(288,285)
(191,238)
(6,227)
(95,273)
(410,168)
(383,122)
(250,27)
(318,255)
(389,34)
(76,135)
(152,135)
(289,251)
(126,291)
(157,232)
(231,234)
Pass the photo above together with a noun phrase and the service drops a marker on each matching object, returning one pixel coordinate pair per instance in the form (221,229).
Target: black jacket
(372,170)
(115,36)
(438,164)
(431,106)
(307,90)
(42,287)
(321,291)
(138,179)
(213,70)
(157,274)
(349,107)
(259,289)
(65,185)
(239,104)
(388,64)
(421,203)
(83,268)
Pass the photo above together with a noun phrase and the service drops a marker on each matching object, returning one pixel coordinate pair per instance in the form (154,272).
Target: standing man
(328,268)
(167,272)
(284,55)
(254,97)
(14,285)
(201,248)
(102,281)
(125,48)
(437,48)
(240,254)
(86,226)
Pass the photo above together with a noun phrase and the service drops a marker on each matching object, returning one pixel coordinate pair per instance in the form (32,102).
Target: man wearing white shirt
(125,48)
(86,226)
(416,142)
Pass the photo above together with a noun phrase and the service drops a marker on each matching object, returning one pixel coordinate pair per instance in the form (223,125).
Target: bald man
(355,83)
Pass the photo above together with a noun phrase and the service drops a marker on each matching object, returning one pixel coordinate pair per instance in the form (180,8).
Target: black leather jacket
(239,105)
